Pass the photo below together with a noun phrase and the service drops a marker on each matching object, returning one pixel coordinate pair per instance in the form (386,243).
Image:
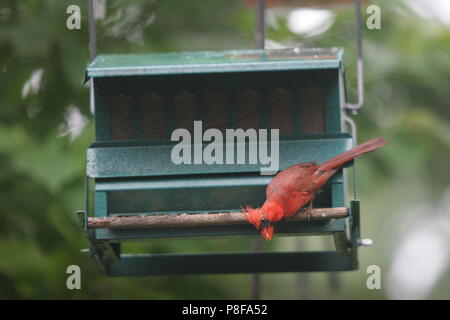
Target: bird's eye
(263,220)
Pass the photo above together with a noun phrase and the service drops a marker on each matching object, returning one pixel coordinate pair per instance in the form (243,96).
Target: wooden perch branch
(201,220)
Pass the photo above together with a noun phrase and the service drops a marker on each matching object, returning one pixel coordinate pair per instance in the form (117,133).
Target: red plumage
(293,188)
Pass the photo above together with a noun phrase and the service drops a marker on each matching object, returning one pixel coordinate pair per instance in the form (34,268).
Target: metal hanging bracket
(359,62)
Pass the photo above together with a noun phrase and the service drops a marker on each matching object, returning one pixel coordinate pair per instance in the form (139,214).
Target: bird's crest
(253,215)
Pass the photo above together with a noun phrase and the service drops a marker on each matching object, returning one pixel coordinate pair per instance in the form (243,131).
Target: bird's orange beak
(267,232)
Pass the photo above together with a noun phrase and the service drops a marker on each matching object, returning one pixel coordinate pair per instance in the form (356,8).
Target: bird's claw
(310,211)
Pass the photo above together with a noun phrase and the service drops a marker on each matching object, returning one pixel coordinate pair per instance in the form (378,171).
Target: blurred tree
(42,152)
(43,142)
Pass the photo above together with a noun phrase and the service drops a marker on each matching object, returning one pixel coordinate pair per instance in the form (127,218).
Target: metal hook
(359,62)
(353,128)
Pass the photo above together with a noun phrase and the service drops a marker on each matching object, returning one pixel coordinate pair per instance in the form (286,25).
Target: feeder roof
(113,65)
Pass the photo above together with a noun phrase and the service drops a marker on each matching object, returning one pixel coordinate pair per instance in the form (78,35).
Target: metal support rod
(303,284)
(87,204)
(260,44)
(200,220)
(92,49)
(359,61)
(92,31)
(260,33)
(256,278)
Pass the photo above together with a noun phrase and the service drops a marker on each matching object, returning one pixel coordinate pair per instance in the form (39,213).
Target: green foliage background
(42,173)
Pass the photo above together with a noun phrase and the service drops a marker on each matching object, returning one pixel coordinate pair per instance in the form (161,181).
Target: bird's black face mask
(264,224)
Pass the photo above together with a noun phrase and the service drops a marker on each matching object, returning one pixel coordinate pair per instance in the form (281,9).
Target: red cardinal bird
(293,188)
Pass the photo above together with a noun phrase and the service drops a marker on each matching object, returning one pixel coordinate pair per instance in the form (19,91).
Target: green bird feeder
(138,193)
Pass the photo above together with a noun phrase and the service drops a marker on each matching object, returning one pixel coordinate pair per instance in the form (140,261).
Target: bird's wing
(298,199)
(292,178)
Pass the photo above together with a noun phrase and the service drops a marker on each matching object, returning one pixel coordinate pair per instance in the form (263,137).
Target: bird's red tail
(368,146)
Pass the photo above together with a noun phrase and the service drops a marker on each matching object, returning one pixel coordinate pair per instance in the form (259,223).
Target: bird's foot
(310,211)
